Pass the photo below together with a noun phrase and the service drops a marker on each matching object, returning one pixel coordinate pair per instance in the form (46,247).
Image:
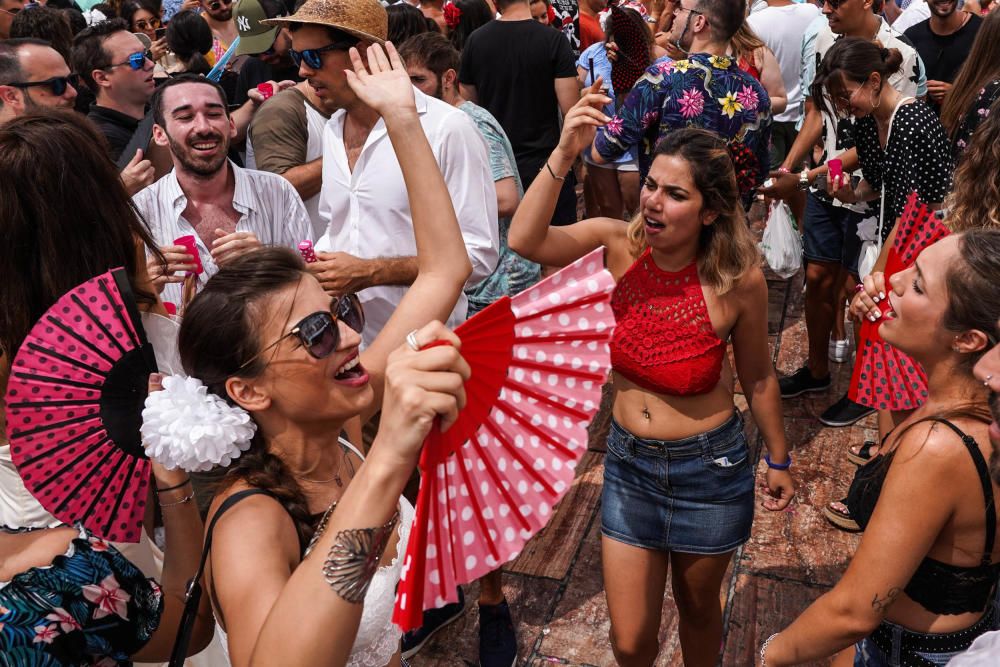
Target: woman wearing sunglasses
(264,335)
(143,17)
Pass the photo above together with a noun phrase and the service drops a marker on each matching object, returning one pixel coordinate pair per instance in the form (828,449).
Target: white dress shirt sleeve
(465,163)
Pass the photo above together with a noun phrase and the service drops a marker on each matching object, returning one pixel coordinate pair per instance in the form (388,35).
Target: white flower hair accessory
(183,426)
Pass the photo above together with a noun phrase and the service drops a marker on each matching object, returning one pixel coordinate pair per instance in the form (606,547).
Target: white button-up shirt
(268,206)
(369,214)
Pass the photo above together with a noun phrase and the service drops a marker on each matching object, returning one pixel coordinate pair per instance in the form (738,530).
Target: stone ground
(555,586)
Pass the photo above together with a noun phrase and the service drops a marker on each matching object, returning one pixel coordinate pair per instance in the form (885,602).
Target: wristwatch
(804,180)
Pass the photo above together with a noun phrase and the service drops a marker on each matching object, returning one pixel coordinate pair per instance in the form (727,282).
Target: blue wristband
(778,466)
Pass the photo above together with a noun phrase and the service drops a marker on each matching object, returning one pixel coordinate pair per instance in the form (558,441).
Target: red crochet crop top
(664,340)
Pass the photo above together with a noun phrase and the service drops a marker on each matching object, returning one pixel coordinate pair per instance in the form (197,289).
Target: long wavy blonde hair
(974,203)
(726,248)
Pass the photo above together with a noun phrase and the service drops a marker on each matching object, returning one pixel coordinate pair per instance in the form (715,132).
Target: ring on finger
(411,340)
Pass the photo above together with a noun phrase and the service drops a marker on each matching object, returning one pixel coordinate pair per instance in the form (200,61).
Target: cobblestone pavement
(555,586)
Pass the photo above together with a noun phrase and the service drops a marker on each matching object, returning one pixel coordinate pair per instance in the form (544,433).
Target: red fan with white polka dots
(490,482)
(885,378)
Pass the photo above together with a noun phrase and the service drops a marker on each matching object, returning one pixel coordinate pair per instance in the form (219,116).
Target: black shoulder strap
(192,597)
(984,478)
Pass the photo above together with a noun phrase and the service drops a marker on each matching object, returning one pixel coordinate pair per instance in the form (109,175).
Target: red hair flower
(551,13)
(452,15)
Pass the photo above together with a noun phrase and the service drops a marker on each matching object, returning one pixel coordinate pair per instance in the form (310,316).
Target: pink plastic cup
(192,247)
(836,169)
(266,89)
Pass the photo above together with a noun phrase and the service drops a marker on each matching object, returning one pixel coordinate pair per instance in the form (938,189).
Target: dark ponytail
(218,336)
(852,59)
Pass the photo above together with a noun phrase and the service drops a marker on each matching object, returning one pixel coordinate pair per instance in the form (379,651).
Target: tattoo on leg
(353,560)
(881,605)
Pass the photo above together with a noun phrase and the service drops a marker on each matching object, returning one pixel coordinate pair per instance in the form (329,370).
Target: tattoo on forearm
(353,560)
(881,605)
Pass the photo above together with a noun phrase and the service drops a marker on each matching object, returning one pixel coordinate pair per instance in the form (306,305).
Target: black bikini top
(940,588)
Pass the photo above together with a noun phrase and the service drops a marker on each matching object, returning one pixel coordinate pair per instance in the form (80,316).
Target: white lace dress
(377,639)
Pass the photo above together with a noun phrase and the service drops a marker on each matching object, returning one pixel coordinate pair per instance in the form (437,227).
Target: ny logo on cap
(243,23)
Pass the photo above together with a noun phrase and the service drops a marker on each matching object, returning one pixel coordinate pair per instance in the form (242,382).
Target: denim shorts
(894,646)
(831,234)
(693,495)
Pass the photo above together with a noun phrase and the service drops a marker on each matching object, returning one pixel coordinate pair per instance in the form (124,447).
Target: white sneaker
(839,350)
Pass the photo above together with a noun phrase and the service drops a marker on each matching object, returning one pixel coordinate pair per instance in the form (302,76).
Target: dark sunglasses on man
(56,84)
(215,5)
(136,60)
(314,57)
(318,333)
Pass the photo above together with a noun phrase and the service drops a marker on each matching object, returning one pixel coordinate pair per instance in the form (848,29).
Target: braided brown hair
(218,336)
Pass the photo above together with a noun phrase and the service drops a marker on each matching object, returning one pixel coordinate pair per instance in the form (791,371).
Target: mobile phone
(160,32)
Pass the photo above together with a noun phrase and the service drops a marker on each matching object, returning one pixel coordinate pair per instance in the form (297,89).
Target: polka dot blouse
(918,157)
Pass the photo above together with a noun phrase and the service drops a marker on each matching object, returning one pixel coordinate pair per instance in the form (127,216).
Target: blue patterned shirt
(514,273)
(703,91)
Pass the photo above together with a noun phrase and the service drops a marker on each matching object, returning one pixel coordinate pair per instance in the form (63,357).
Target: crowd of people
(318,190)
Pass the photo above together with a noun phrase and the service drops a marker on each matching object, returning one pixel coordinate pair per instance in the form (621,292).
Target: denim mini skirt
(694,495)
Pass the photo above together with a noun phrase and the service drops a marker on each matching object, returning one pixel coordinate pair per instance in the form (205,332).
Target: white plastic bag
(782,244)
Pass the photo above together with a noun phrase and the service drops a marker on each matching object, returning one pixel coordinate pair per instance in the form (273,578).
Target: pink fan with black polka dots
(74,407)
(490,482)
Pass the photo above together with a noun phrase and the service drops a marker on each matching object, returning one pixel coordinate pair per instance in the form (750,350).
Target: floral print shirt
(90,607)
(703,91)
(977,114)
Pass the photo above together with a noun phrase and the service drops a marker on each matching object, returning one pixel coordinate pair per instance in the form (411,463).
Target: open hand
(382,83)
(581,123)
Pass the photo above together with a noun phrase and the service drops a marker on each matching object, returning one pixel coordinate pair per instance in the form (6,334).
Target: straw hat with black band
(365,19)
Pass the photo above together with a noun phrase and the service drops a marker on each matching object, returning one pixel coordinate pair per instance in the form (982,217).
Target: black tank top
(940,588)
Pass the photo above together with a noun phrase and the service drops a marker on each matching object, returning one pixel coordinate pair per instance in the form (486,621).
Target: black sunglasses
(314,57)
(214,6)
(56,84)
(319,333)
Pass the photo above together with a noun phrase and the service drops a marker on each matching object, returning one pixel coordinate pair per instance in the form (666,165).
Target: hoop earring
(873,98)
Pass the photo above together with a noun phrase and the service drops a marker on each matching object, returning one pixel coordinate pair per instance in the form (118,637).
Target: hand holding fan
(490,482)
(884,378)
(74,403)
(632,39)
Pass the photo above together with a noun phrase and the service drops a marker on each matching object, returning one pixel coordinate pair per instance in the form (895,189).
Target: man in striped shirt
(228,210)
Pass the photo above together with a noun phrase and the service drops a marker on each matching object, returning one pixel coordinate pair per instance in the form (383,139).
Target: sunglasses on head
(136,61)
(314,57)
(56,84)
(318,333)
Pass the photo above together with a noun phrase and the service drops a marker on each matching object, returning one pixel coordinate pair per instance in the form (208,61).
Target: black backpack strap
(984,478)
(192,598)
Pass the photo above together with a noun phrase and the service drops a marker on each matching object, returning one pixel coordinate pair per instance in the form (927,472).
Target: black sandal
(864,454)
(841,518)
